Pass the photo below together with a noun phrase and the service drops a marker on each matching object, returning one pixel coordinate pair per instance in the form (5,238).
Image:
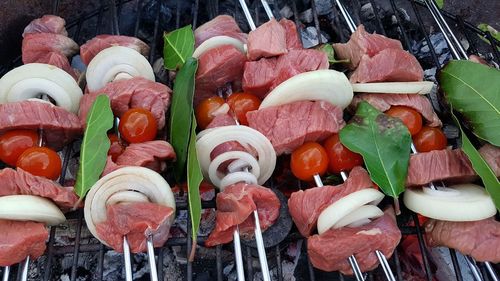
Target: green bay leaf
(95,145)
(178,47)
(482,168)
(384,142)
(194,178)
(473,90)
(181,112)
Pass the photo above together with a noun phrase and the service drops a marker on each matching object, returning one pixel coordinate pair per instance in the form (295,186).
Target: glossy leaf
(95,145)
(482,168)
(440,3)
(181,112)
(384,142)
(473,90)
(194,178)
(178,47)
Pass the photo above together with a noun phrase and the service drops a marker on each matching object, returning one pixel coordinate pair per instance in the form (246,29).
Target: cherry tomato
(241,103)
(308,160)
(204,111)
(116,148)
(40,161)
(340,157)
(14,143)
(410,117)
(137,125)
(428,139)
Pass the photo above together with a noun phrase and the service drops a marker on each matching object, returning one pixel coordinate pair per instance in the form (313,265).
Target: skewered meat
(491,155)
(305,206)
(330,251)
(292,36)
(235,206)
(151,154)
(383,102)
(136,221)
(92,47)
(136,92)
(447,165)
(220,25)
(390,65)
(59,60)
(479,239)
(268,40)
(289,126)
(222,120)
(19,182)
(363,43)
(61,126)
(47,24)
(261,76)
(36,43)
(19,239)
(216,68)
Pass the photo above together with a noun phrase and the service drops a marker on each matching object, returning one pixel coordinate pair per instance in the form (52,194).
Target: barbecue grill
(147,20)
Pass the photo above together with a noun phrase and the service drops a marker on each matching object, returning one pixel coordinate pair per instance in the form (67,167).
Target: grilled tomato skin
(40,161)
(308,160)
(14,143)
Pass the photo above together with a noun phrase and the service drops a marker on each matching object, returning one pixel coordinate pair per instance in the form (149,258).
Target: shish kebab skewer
(458,54)
(319,183)
(113,64)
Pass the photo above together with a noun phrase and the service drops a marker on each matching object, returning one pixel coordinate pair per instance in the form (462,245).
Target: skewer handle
(6,272)
(261,249)
(238,255)
(126,256)
(152,260)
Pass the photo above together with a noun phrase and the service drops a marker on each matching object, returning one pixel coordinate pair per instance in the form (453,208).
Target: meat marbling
(137,92)
(292,36)
(19,239)
(61,126)
(479,239)
(289,126)
(331,250)
(235,206)
(136,221)
(102,41)
(364,43)
(305,206)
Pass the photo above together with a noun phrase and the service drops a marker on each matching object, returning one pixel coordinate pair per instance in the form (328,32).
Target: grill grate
(212,7)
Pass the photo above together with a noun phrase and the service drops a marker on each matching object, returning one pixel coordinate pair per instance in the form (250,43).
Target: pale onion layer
(30,208)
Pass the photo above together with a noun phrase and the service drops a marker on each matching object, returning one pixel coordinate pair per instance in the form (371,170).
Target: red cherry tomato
(308,160)
(204,111)
(40,161)
(428,139)
(340,157)
(241,103)
(116,148)
(138,125)
(14,143)
(410,117)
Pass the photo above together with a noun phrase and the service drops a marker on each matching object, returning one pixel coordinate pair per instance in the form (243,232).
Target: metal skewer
(238,255)
(151,257)
(126,256)
(6,272)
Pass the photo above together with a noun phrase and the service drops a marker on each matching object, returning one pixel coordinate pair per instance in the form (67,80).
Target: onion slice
(471,204)
(209,139)
(30,208)
(116,62)
(218,41)
(333,214)
(116,185)
(34,79)
(360,216)
(215,176)
(319,85)
(420,87)
(237,177)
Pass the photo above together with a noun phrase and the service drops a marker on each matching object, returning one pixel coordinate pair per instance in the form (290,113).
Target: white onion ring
(237,177)
(237,165)
(138,179)
(218,41)
(215,176)
(266,156)
(473,203)
(33,79)
(126,196)
(330,217)
(360,216)
(114,62)
(30,208)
